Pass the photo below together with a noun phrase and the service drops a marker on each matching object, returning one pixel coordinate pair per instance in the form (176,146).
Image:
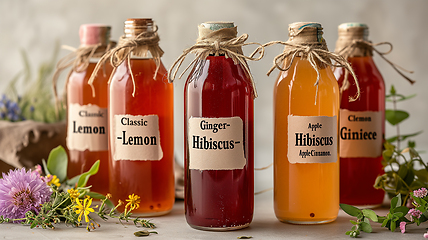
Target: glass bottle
(141,140)
(362,122)
(306,166)
(87,113)
(219,153)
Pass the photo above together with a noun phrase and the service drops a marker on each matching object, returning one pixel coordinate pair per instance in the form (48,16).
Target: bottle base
(219,229)
(369,206)
(303,222)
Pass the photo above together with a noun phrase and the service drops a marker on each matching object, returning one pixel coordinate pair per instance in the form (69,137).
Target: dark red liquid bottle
(362,125)
(219,160)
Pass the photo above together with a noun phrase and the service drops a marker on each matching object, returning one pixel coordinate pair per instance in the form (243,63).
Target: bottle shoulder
(218,71)
(302,73)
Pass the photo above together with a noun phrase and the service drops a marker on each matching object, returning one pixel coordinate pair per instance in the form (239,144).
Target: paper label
(360,134)
(216,143)
(312,139)
(87,128)
(136,138)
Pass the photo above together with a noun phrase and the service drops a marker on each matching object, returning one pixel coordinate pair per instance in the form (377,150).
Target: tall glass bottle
(362,122)
(87,113)
(141,140)
(306,166)
(219,154)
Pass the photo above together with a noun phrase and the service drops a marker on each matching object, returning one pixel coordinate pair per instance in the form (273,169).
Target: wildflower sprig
(398,216)
(104,212)
(65,200)
(405,171)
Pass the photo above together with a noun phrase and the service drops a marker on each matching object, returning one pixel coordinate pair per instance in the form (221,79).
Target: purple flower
(403,227)
(20,192)
(420,193)
(414,213)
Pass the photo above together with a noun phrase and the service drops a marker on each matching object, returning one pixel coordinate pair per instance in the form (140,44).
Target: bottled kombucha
(219,154)
(87,113)
(306,166)
(141,141)
(362,122)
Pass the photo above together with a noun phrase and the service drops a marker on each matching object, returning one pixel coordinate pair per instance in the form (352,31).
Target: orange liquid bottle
(362,122)
(87,113)
(141,140)
(306,166)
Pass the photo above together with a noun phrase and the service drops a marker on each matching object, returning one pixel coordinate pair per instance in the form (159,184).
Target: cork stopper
(217,31)
(305,32)
(135,26)
(92,34)
(351,32)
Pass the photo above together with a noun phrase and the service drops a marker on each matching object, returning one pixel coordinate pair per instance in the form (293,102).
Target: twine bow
(139,46)
(222,41)
(313,53)
(347,51)
(78,60)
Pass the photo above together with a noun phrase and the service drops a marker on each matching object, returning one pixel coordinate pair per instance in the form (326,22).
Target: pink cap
(91,34)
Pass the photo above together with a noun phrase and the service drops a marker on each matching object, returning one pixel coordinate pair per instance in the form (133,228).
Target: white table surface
(174,226)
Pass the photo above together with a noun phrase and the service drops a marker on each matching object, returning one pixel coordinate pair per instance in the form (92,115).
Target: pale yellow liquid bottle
(306,178)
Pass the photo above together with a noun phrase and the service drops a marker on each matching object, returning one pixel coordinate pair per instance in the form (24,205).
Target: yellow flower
(73,193)
(53,180)
(84,208)
(108,196)
(133,202)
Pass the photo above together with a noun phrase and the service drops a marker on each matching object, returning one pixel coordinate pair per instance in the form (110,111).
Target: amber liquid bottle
(306,166)
(362,122)
(219,135)
(141,140)
(87,113)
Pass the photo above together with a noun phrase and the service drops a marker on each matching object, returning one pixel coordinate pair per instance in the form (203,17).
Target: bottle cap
(214,26)
(91,34)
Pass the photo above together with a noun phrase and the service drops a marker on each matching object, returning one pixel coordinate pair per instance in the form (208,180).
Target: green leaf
(410,176)
(351,210)
(403,137)
(385,222)
(402,209)
(392,91)
(84,177)
(422,175)
(353,222)
(412,144)
(394,117)
(394,202)
(365,227)
(402,172)
(393,225)
(370,214)
(101,197)
(57,163)
(33,225)
(398,97)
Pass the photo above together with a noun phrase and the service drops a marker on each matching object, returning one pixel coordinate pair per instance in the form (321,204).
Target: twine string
(146,41)
(347,51)
(313,52)
(220,42)
(78,60)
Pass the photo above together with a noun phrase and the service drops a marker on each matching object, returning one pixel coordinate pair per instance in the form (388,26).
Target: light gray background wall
(35,26)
